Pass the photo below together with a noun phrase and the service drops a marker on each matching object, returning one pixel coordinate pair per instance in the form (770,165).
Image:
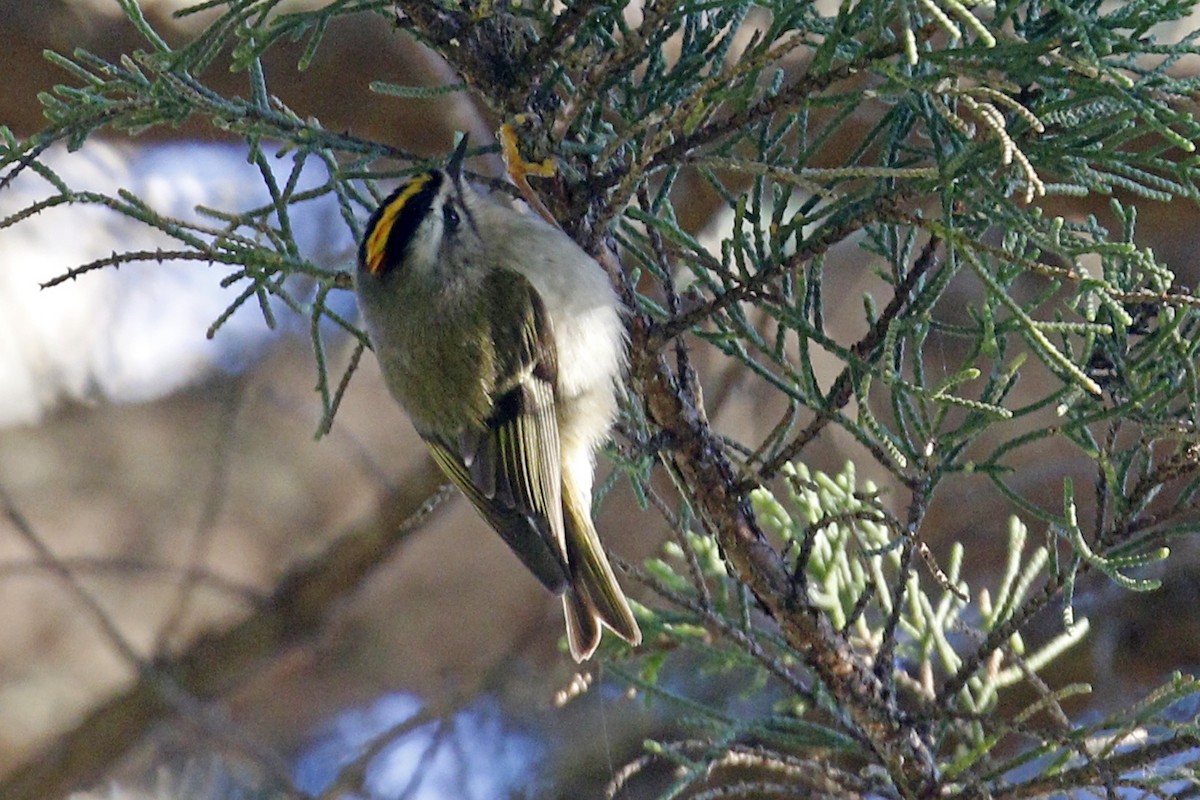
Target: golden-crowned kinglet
(503,341)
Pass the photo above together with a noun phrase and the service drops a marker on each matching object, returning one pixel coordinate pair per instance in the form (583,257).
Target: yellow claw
(517,168)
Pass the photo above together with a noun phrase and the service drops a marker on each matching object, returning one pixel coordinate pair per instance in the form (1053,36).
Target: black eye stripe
(393,225)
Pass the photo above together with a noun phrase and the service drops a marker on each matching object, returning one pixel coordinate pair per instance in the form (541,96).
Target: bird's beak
(454,165)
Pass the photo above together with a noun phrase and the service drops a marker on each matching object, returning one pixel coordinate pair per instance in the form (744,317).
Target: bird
(504,342)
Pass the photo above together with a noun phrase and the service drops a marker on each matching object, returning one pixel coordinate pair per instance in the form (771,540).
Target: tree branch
(700,461)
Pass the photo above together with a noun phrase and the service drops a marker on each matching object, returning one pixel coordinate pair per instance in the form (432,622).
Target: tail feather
(583,627)
(594,596)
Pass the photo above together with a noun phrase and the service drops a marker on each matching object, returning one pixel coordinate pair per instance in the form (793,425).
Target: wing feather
(519,531)
(510,468)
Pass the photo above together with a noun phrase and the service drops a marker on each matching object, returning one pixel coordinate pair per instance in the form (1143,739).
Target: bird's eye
(450,216)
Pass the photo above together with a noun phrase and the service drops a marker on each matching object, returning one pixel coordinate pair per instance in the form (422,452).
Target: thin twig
(864,350)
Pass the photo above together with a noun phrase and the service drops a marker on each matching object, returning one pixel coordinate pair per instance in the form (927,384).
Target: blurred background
(179,477)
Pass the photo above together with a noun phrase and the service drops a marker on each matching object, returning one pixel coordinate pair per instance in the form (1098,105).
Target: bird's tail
(594,597)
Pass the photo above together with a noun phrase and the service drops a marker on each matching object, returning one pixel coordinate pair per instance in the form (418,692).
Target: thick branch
(488,52)
(702,465)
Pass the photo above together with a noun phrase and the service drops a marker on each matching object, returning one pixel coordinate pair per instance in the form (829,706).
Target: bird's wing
(510,467)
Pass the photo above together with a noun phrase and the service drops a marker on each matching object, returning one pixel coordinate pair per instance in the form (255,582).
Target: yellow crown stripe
(377,240)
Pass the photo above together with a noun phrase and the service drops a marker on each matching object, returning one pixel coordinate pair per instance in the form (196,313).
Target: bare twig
(210,508)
